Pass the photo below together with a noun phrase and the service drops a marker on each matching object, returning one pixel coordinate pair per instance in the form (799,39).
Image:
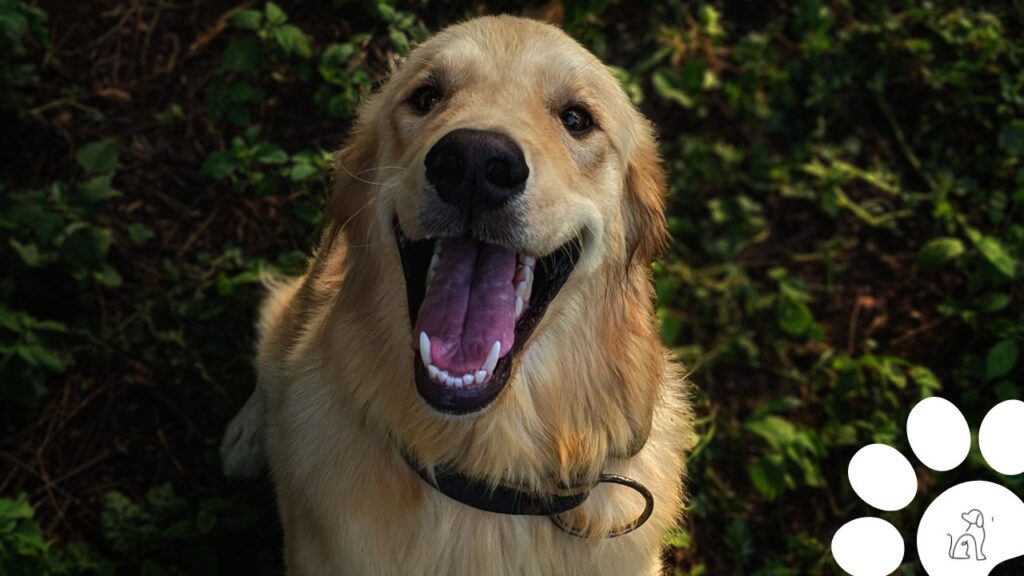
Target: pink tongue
(469,306)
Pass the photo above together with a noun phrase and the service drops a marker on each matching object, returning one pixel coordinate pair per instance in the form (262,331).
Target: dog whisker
(377,168)
(361,179)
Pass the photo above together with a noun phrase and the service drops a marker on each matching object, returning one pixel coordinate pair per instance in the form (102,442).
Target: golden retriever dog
(468,379)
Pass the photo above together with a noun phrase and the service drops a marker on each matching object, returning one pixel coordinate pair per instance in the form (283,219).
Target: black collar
(504,499)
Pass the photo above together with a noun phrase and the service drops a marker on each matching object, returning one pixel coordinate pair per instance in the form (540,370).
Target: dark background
(847,181)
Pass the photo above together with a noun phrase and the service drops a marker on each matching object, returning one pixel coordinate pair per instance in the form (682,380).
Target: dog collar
(503,499)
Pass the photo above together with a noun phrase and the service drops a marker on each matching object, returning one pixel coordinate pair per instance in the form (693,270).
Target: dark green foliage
(25,552)
(847,181)
(22,29)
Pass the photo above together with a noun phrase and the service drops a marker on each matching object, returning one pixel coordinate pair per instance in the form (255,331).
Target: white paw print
(967,530)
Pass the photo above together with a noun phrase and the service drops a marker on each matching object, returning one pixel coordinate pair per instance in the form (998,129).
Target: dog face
(518,183)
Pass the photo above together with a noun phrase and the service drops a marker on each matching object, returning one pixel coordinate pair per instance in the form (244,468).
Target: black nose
(475,170)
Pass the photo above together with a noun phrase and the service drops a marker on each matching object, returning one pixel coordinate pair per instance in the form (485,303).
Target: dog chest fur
(355,507)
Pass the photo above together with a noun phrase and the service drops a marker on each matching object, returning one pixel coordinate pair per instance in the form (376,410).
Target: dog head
(974,517)
(506,180)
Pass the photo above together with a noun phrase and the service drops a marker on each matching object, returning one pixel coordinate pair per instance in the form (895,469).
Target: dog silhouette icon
(971,543)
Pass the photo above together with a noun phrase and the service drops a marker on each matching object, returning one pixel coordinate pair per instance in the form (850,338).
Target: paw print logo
(967,530)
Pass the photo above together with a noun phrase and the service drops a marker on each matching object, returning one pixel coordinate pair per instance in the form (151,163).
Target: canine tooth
(519,305)
(524,290)
(431,269)
(425,348)
(492,357)
(467,379)
(433,371)
(480,376)
(529,261)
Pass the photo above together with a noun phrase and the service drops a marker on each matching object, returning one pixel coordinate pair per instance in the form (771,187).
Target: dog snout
(476,170)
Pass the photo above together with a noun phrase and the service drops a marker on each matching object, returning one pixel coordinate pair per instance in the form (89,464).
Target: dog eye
(576,120)
(425,98)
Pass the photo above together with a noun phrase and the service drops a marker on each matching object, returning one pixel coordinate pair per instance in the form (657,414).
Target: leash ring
(556,519)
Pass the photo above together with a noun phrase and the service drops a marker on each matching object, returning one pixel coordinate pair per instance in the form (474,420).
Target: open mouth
(473,306)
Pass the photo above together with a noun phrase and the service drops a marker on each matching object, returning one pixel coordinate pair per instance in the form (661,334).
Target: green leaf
(925,378)
(108,276)
(247,20)
(711,20)
(98,157)
(1011,138)
(399,41)
(29,253)
(1000,359)
(97,189)
(792,316)
(243,93)
(18,509)
(334,63)
(293,41)
(670,326)
(994,302)
(242,55)
(219,165)
(274,14)
(679,538)
(993,251)
(385,11)
(775,430)
(139,233)
(150,568)
(665,84)
(270,154)
(205,521)
(41,357)
(937,252)
(86,246)
(301,172)
(768,475)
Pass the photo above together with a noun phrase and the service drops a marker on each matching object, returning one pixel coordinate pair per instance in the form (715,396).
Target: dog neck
(582,392)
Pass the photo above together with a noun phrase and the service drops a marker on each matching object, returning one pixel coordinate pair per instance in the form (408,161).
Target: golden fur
(593,390)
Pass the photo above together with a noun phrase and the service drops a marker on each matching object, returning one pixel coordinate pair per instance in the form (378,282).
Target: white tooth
(467,379)
(433,371)
(492,357)
(425,348)
(519,306)
(480,376)
(456,382)
(524,290)
(529,261)
(442,376)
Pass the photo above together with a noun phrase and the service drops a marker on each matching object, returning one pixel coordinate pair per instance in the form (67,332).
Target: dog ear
(645,191)
(644,216)
(979,519)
